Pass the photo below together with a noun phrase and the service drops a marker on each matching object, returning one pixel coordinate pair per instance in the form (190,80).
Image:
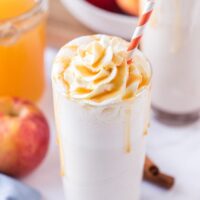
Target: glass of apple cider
(22,44)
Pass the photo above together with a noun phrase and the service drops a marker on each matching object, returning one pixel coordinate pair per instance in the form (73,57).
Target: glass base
(175,119)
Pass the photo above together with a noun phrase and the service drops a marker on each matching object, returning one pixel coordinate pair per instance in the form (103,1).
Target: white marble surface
(175,149)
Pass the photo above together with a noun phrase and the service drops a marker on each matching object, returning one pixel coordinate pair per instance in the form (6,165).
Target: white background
(175,149)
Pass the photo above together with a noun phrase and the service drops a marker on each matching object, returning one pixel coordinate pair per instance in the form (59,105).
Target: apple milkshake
(102,114)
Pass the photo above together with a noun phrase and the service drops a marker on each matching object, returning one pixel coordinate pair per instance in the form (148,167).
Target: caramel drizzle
(147,123)
(128,145)
(62,172)
(146,129)
(59,143)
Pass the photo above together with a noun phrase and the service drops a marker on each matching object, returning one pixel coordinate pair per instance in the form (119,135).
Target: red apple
(24,136)
(109,5)
(129,6)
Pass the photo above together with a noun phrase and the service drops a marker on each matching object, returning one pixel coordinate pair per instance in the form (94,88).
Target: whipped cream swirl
(94,70)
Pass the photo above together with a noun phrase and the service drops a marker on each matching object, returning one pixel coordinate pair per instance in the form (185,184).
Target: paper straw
(143,20)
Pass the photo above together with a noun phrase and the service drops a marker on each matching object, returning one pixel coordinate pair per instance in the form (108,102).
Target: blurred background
(62,26)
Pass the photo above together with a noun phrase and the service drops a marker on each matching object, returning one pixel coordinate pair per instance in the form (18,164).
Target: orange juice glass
(22,44)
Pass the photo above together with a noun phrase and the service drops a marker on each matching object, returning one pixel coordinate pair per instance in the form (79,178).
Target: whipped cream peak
(94,70)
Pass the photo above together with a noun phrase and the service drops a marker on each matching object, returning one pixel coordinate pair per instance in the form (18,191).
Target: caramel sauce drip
(100,79)
(61,156)
(86,71)
(146,129)
(144,78)
(147,124)
(83,91)
(128,95)
(59,143)
(144,82)
(128,145)
(133,78)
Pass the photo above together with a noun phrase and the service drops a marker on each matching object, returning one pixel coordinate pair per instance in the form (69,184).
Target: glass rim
(25,15)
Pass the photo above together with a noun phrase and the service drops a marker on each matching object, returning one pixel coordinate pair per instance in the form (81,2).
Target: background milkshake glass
(174,33)
(101,132)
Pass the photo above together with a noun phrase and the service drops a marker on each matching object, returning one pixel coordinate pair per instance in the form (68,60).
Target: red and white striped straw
(143,20)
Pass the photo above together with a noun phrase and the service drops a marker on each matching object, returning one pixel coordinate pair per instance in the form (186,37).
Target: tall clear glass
(102,147)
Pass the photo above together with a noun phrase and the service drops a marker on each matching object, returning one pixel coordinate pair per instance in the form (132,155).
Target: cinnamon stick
(153,175)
